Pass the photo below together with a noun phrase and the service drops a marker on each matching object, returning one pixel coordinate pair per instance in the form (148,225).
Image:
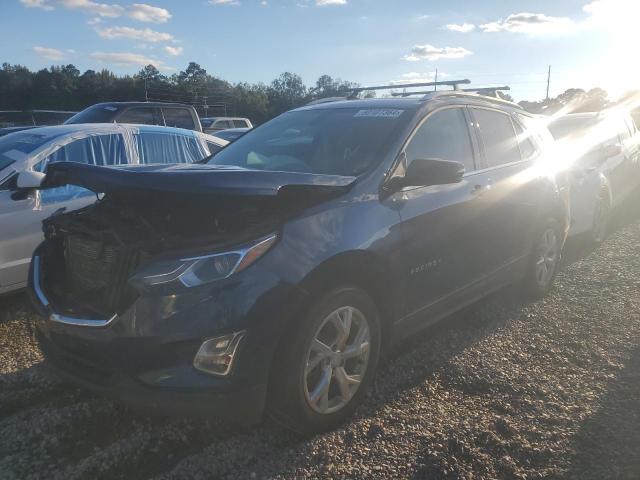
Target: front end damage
(126,337)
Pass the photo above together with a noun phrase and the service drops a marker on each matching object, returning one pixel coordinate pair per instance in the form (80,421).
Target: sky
(588,43)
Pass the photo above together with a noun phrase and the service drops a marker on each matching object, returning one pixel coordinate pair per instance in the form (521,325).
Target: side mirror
(432,171)
(611,150)
(29,180)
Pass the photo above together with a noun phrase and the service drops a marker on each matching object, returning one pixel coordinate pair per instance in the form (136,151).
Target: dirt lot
(503,390)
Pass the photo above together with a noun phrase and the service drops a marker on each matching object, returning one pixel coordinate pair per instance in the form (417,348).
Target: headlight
(195,271)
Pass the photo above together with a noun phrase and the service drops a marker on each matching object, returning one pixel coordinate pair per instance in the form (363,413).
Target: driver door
(440,223)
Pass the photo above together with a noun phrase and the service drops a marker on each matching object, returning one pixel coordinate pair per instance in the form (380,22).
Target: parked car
(140,113)
(215,124)
(15,120)
(606,170)
(231,134)
(21,212)
(275,274)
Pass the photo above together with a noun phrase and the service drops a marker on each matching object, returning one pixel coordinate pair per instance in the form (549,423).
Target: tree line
(64,87)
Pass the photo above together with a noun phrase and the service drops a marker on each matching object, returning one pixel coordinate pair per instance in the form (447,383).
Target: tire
(601,215)
(543,262)
(303,365)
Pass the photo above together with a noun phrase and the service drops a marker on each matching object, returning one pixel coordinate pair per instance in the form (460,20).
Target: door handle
(479,189)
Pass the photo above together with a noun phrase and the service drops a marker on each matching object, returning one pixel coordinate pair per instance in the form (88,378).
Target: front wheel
(325,365)
(543,262)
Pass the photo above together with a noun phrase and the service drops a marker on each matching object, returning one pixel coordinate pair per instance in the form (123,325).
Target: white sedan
(30,151)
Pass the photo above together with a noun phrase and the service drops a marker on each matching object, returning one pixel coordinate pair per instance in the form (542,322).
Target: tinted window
(341,141)
(527,147)
(213,148)
(498,135)
(94,114)
(444,136)
(223,124)
(240,124)
(178,117)
(141,115)
(206,122)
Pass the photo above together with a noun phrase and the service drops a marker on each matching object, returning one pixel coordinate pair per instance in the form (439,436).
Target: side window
(498,135)
(139,115)
(240,124)
(178,117)
(213,148)
(527,147)
(103,150)
(223,124)
(445,136)
(155,147)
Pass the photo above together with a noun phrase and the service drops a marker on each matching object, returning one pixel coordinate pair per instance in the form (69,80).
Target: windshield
(337,141)
(94,114)
(19,145)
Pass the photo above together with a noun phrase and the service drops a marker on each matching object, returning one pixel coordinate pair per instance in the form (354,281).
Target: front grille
(93,276)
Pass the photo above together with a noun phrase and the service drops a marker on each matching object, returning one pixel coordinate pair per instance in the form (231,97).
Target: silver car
(27,153)
(606,169)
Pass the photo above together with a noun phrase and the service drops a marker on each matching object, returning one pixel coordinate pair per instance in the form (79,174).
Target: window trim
(402,151)
(481,144)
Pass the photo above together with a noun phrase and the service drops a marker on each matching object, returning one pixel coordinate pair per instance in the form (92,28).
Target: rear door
(439,222)
(510,196)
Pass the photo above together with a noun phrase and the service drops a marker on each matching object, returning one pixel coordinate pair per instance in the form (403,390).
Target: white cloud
(43,4)
(531,23)
(125,59)
(224,2)
(145,35)
(147,13)
(419,77)
(322,3)
(173,51)
(49,53)
(464,28)
(94,21)
(429,52)
(423,17)
(94,8)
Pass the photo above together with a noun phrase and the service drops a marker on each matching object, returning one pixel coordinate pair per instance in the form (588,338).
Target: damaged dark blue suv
(274,275)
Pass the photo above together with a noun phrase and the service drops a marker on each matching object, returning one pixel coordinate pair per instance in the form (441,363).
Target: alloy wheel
(337,360)
(547,257)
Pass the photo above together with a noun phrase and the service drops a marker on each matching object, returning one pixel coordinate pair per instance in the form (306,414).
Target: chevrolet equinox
(272,277)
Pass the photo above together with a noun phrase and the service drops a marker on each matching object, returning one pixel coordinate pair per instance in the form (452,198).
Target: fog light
(215,355)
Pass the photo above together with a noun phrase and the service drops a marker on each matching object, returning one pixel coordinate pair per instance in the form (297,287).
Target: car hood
(191,180)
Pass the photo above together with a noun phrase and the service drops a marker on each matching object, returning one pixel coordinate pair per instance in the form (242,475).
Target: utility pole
(146,95)
(548,81)
(435,87)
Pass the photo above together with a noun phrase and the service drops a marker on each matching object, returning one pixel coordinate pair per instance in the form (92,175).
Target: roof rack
(487,91)
(449,83)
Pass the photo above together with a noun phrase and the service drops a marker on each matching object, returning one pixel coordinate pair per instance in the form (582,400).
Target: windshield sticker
(379,113)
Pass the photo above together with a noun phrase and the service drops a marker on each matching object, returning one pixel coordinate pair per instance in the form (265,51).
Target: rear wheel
(325,366)
(600,219)
(544,261)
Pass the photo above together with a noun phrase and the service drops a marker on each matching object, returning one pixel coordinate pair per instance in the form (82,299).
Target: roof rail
(327,100)
(449,83)
(487,91)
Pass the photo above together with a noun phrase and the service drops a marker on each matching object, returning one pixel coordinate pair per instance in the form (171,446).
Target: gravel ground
(502,390)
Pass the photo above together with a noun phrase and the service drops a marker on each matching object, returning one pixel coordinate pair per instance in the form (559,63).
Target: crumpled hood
(190,179)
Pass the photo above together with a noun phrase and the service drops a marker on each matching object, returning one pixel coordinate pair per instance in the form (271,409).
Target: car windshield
(94,114)
(19,145)
(337,141)
(206,122)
